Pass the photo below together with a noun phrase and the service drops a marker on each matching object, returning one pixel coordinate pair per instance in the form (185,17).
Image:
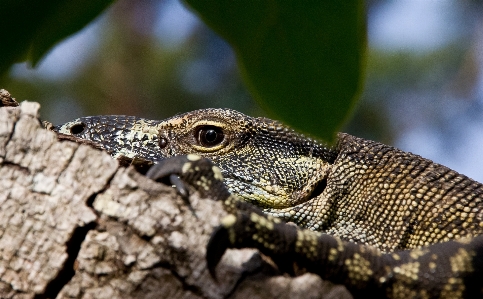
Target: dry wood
(75,224)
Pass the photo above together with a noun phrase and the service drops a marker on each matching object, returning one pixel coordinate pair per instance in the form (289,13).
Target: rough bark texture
(74,224)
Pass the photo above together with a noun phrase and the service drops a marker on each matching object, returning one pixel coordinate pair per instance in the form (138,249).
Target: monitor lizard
(368,215)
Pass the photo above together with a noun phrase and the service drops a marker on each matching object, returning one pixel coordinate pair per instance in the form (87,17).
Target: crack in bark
(73,247)
(65,274)
(9,138)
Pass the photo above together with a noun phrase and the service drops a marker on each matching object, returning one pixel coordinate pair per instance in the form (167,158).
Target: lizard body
(360,191)
(451,269)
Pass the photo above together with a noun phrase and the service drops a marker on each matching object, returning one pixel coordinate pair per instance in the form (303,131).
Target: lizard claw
(166,167)
(217,245)
(181,188)
(170,168)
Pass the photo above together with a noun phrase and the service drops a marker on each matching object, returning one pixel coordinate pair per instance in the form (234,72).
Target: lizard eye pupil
(78,128)
(210,136)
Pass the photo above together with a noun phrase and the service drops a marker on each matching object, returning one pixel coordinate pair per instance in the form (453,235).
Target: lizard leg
(444,270)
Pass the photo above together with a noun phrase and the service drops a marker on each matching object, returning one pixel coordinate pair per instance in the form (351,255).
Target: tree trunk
(75,224)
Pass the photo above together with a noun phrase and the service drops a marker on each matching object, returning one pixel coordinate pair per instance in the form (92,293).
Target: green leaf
(30,28)
(302,60)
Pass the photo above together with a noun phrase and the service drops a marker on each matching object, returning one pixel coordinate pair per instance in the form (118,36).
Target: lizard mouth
(269,197)
(319,188)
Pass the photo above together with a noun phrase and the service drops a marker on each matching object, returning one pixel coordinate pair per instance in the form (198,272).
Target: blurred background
(423,90)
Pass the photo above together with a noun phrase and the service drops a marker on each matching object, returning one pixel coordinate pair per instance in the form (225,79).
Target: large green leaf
(29,28)
(302,60)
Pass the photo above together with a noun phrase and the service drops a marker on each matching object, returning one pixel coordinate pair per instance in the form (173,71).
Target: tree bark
(75,224)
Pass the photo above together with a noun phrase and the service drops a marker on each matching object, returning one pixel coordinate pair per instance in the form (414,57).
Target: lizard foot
(191,170)
(186,170)
(253,230)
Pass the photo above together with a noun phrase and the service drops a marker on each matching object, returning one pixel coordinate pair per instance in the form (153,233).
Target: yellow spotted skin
(387,209)
(452,269)
(397,200)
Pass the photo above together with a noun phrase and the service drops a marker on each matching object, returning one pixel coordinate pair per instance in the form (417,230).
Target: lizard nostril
(163,142)
(78,128)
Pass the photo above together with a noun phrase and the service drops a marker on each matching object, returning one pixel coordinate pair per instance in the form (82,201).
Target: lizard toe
(217,245)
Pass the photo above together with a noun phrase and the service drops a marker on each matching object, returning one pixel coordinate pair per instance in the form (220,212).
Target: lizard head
(121,136)
(261,160)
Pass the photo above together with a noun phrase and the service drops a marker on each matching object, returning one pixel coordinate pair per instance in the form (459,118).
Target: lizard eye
(209,136)
(78,128)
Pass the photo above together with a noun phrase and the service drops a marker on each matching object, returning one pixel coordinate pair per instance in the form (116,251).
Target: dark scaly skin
(359,190)
(452,269)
